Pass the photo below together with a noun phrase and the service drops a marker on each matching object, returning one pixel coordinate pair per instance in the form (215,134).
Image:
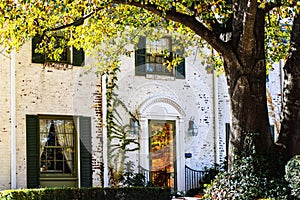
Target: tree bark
(246,77)
(289,135)
(249,112)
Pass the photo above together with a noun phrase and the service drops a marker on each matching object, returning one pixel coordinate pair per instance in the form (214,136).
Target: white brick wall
(4,121)
(40,90)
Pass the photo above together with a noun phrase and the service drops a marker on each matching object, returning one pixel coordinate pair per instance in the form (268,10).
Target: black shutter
(140,57)
(32,149)
(85,151)
(272,131)
(36,57)
(78,57)
(227,132)
(180,70)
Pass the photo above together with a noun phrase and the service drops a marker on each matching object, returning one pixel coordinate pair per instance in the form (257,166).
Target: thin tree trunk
(289,135)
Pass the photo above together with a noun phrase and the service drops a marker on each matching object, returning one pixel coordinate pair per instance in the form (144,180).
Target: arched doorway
(162,141)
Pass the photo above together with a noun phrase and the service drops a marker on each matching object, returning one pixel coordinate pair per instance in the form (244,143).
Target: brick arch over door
(159,100)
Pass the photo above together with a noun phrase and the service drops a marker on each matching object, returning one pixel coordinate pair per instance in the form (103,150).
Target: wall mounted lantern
(192,130)
(134,127)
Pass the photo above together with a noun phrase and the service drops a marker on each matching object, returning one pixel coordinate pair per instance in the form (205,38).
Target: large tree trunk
(290,124)
(246,76)
(249,112)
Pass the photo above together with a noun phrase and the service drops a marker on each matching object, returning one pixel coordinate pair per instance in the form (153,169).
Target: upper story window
(68,55)
(150,57)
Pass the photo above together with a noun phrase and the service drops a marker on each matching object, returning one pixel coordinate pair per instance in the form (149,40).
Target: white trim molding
(163,108)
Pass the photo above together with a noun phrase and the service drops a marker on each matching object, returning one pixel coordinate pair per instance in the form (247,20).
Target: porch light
(134,128)
(192,130)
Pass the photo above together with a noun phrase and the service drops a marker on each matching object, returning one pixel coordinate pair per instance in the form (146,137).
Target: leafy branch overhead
(93,22)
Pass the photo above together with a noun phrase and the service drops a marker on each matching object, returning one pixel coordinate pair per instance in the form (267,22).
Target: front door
(162,153)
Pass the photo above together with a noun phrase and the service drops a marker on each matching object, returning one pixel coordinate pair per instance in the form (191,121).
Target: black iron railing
(193,178)
(146,173)
(161,178)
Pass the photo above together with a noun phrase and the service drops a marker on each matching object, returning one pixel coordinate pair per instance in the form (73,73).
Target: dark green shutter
(32,149)
(140,57)
(36,57)
(85,151)
(78,57)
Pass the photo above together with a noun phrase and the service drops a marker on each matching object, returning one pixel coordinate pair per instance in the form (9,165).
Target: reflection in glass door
(162,153)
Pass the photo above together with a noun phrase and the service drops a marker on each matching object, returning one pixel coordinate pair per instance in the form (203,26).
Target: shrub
(129,178)
(243,182)
(145,193)
(250,178)
(210,174)
(292,176)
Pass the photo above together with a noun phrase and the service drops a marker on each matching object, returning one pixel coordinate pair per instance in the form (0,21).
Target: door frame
(163,108)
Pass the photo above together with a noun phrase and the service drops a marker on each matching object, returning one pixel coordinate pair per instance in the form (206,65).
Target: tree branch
(77,22)
(190,21)
(248,11)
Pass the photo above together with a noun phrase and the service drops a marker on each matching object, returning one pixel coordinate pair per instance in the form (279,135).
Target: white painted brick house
(49,135)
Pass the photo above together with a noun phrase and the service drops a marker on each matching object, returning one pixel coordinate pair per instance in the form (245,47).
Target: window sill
(57,65)
(160,77)
(65,178)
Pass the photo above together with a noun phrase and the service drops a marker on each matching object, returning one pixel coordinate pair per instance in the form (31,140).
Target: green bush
(244,182)
(292,176)
(250,178)
(131,179)
(143,193)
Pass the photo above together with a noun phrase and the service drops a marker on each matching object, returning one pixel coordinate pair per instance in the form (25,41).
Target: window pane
(159,59)
(57,149)
(150,67)
(156,55)
(65,51)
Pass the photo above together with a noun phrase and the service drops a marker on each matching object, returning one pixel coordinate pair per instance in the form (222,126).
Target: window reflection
(162,149)
(57,146)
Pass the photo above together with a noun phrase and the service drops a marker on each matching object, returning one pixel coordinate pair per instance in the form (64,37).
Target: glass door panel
(162,152)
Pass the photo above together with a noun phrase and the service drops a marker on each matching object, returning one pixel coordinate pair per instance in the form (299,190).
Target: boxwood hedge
(129,193)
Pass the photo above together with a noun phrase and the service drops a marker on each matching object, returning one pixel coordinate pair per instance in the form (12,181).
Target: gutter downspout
(13,155)
(216,118)
(104,115)
(78,149)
